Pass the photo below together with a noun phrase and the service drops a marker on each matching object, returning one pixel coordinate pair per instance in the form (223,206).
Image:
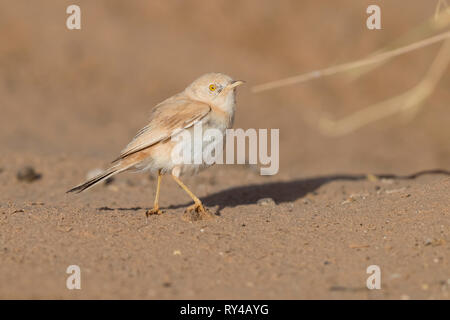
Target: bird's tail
(100,177)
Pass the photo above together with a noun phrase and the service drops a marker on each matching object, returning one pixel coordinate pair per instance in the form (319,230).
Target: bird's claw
(154,211)
(197,212)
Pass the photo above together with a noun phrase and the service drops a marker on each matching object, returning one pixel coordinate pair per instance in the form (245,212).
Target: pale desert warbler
(209,101)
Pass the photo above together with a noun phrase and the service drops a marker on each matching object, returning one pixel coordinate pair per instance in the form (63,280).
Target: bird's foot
(154,211)
(196,208)
(197,212)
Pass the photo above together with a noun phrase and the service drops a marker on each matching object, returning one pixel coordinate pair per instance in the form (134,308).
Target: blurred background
(86,92)
(70,100)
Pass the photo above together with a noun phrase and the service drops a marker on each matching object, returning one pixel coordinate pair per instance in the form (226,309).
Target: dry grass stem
(410,101)
(351,65)
(439,22)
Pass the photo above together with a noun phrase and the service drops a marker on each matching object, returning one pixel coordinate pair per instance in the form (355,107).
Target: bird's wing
(167,119)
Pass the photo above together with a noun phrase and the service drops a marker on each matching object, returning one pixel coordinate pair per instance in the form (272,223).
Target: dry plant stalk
(437,12)
(410,100)
(351,65)
(439,22)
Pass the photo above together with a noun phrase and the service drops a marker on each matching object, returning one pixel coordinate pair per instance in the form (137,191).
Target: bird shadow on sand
(288,191)
(280,192)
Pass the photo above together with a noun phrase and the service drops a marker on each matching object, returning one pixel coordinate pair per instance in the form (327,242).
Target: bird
(209,101)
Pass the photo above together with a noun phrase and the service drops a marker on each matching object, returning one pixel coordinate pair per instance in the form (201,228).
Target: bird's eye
(212,87)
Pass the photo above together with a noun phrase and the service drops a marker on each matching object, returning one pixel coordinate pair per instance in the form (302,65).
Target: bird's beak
(235,83)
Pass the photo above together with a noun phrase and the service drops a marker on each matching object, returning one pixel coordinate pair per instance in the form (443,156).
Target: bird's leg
(155,209)
(197,206)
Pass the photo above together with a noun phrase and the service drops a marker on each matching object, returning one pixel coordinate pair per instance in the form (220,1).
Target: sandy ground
(70,100)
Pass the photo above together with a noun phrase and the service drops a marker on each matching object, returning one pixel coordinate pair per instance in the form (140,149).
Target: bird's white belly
(189,155)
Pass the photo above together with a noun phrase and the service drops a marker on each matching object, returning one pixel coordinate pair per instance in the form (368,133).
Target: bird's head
(214,88)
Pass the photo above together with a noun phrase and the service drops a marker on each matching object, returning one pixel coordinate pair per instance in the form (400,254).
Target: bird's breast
(220,118)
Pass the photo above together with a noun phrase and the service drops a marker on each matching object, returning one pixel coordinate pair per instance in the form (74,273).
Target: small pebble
(395,276)
(406,195)
(290,206)
(266,202)
(27,174)
(395,190)
(348,200)
(112,187)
